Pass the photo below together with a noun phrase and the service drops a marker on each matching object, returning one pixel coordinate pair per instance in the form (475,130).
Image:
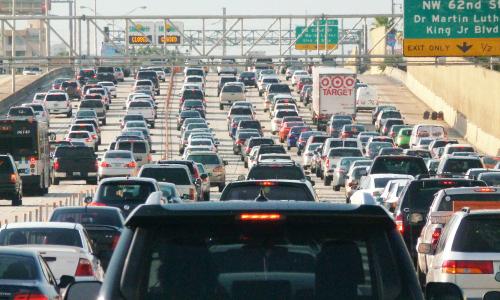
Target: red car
(285,129)
(303,81)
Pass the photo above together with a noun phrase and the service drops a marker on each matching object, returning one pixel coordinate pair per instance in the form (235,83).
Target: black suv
(10,182)
(257,250)
(223,80)
(151,75)
(415,202)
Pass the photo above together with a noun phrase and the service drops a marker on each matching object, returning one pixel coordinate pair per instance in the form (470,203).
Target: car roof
(87,208)
(472,190)
(63,225)
(391,175)
(117,179)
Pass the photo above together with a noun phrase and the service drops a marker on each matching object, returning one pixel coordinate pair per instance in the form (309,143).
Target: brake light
(131,164)
(485,190)
(267,183)
(467,267)
(448,182)
(30,296)
(84,268)
(105,164)
(239,142)
(56,164)
(94,137)
(116,238)
(260,217)
(13,178)
(399,223)
(68,139)
(435,236)
(247,150)
(150,158)
(96,204)
(88,140)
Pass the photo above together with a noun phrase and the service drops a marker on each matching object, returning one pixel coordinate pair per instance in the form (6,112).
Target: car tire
(17,200)
(242,158)
(221,106)
(104,122)
(56,181)
(206,196)
(421,277)
(336,188)
(318,173)
(221,187)
(107,106)
(327,181)
(152,125)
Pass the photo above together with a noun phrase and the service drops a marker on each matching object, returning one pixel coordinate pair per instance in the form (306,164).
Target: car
(56,83)
(214,165)
(65,247)
(110,86)
(170,193)
(278,116)
(105,96)
(40,111)
(229,94)
(425,154)
(21,111)
(85,74)
(223,80)
(131,117)
(39,98)
(205,181)
(308,154)
(11,186)
(266,170)
(140,149)
(185,114)
(192,94)
(304,137)
(32,71)
(102,224)
(286,128)
(81,136)
(194,71)
(198,80)
(291,190)
(144,108)
(117,163)
(341,167)
(329,162)
(297,74)
(177,174)
(73,89)
(335,126)
(227,67)
(457,166)
(466,254)
(291,69)
(386,114)
(97,105)
(248,78)
(274,89)
(58,103)
(352,180)
(427,131)
(240,138)
(366,98)
(337,262)
(74,163)
(119,74)
(380,108)
(251,143)
(151,75)
(491,178)
(414,204)
(387,124)
(125,193)
(303,80)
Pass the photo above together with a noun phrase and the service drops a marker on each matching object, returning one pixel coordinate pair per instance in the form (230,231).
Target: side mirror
(83,290)
(87,200)
(241,177)
(441,290)
(425,248)
(65,281)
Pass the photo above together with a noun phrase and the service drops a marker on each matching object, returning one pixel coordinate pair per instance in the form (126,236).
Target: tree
(382,22)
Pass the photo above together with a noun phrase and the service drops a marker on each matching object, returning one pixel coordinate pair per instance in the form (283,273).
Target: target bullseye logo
(325,82)
(337,82)
(349,82)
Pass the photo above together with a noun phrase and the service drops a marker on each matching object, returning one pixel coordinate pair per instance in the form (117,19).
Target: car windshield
(260,261)
(272,192)
(205,159)
(124,191)
(40,236)
(87,217)
(178,176)
(275,172)
(16,267)
(478,234)
(492,179)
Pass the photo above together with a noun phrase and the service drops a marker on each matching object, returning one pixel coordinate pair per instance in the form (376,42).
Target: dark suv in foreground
(11,187)
(257,250)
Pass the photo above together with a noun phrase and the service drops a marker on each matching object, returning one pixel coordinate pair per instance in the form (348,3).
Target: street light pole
(95,26)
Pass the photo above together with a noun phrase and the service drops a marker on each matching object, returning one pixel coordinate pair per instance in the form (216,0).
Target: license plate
(21,170)
(76,173)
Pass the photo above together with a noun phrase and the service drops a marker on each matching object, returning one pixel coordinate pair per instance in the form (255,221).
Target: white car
(110,86)
(119,75)
(58,103)
(173,173)
(32,71)
(366,98)
(231,93)
(277,118)
(198,80)
(65,247)
(39,97)
(81,137)
(297,74)
(467,253)
(375,183)
(117,163)
(227,67)
(202,142)
(308,154)
(144,108)
(41,112)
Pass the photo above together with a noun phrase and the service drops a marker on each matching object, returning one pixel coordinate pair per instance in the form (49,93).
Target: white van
(366,98)
(427,131)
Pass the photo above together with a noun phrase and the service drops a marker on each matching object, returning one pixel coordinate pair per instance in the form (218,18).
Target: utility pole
(13,56)
(95,26)
(224,31)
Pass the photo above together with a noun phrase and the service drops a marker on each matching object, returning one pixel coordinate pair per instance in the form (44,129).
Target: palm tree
(382,22)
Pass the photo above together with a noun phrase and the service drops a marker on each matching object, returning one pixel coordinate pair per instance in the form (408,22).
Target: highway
(390,93)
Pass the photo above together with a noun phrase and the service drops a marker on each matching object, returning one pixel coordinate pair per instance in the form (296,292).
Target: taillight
(399,223)
(96,204)
(150,158)
(88,140)
(327,163)
(131,164)
(94,137)
(260,217)
(29,296)
(435,236)
(84,268)
(56,164)
(239,142)
(247,150)
(467,267)
(13,178)
(116,238)
(105,164)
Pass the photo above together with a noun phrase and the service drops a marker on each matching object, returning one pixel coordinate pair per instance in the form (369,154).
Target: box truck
(334,92)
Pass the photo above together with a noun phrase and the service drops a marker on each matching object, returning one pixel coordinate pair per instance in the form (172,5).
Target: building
(30,41)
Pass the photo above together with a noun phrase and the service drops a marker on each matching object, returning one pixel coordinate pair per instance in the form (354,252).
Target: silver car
(117,163)
(214,165)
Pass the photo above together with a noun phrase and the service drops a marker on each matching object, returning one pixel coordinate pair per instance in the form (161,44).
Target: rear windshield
(120,191)
(55,97)
(16,267)
(205,159)
(478,234)
(79,135)
(21,111)
(125,155)
(190,114)
(105,69)
(232,89)
(91,104)
(72,84)
(279,88)
(491,179)
(249,124)
(88,217)
(460,149)
(194,79)
(457,202)
(277,149)
(192,94)
(399,165)
(140,104)
(345,152)
(253,260)
(392,114)
(241,111)
(276,172)
(284,113)
(74,152)
(177,176)
(138,147)
(37,107)
(193,103)
(257,142)
(461,165)
(270,80)
(40,236)
(133,118)
(276,192)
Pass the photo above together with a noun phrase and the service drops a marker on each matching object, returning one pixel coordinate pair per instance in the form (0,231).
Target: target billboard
(333,92)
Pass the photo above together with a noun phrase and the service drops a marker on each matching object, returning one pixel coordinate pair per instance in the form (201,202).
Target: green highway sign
(452,28)
(309,40)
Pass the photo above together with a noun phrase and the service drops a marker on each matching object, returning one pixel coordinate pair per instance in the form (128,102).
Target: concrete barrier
(24,94)
(468,96)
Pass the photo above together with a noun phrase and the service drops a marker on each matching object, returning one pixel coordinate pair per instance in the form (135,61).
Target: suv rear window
(272,192)
(260,172)
(261,261)
(279,88)
(91,104)
(105,70)
(140,104)
(119,191)
(192,94)
(232,89)
(205,159)
(286,113)
(461,165)
(399,165)
(88,217)
(478,234)
(40,236)
(241,111)
(177,176)
(138,147)
(55,97)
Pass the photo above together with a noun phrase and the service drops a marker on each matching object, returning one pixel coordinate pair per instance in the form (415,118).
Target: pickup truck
(74,163)
(144,108)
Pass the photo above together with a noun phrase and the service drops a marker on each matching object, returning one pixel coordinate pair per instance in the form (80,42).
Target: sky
(214,7)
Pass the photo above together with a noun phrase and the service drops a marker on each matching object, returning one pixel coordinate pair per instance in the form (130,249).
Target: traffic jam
(259,180)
